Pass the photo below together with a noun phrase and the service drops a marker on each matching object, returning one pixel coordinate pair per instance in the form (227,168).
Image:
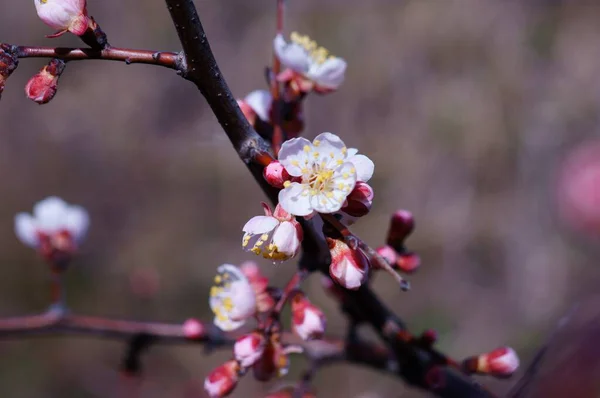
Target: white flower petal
(330,74)
(260,102)
(326,204)
(329,150)
(352,152)
(294,155)
(294,200)
(260,225)
(26,229)
(291,55)
(286,239)
(50,214)
(76,221)
(364,167)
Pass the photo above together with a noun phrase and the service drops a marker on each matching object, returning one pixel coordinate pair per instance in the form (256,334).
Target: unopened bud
(408,262)
(388,253)
(8,63)
(249,348)
(193,329)
(222,380)
(276,174)
(348,267)
(308,321)
(360,200)
(428,337)
(501,363)
(401,225)
(42,87)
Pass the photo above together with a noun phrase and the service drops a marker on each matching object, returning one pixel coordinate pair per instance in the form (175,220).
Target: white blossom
(305,57)
(51,216)
(327,170)
(275,236)
(63,15)
(232,298)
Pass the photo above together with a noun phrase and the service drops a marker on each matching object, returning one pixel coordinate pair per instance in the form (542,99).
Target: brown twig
(129,56)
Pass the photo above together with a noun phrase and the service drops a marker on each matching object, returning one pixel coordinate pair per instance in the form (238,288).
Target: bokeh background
(469,109)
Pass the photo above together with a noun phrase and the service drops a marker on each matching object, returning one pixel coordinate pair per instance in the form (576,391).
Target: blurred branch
(417,363)
(167,59)
(55,323)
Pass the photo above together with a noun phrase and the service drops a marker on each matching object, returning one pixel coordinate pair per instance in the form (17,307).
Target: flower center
(318,54)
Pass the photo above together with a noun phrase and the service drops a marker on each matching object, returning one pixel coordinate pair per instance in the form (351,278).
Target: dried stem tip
(8,63)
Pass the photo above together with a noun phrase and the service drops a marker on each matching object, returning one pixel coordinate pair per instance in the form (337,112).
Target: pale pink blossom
(232,298)
(54,228)
(222,380)
(249,348)
(308,321)
(304,58)
(63,15)
(349,267)
(276,235)
(326,173)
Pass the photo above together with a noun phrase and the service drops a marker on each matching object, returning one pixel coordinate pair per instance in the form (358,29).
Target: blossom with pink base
(54,229)
(308,321)
(63,15)
(349,267)
(276,235)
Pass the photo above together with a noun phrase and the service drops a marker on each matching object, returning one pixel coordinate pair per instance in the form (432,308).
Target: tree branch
(416,362)
(169,60)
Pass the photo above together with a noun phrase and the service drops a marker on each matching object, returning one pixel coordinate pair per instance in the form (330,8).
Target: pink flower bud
(388,253)
(348,267)
(193,329)
(222,380)
(276,174)
(408,262)
(501,363)
(249,348)
(308,321)
(64,15)
(8,63)
(42,87)
(360,200)
(259,283)
(401,225)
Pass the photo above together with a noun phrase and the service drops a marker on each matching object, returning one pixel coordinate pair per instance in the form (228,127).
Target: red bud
(42,87)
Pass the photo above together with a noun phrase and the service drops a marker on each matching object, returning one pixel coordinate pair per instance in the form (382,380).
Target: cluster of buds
(42,87)
(54,230)
(501,363)
(394,252)
(8,63)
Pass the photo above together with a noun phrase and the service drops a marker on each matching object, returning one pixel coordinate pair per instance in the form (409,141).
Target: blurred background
(474,111)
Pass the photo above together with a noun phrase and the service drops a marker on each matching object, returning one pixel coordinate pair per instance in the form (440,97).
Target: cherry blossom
(327,172)
(232,298)
(348,267)
(54,225)
(276,235)
(309,66)
(308,321)
(63,15)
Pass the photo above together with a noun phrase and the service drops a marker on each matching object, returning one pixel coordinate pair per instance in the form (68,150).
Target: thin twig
(129,56)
